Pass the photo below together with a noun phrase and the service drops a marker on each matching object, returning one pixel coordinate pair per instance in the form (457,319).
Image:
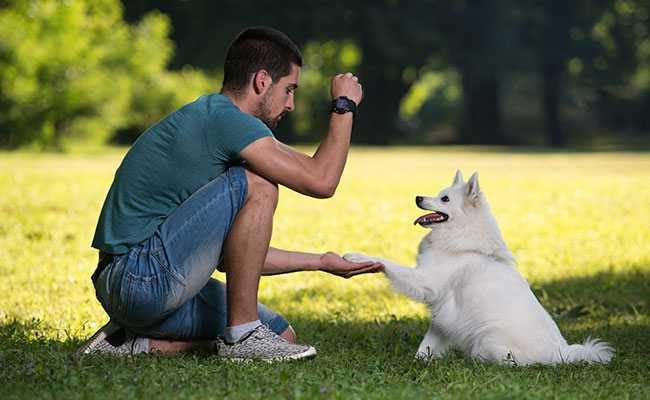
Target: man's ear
(261,81)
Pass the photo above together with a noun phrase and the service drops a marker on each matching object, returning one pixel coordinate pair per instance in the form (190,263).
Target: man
(181,205)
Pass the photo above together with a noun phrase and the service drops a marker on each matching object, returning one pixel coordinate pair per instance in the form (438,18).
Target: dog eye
(444,199)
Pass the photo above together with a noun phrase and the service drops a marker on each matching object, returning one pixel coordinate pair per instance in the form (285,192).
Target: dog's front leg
(408,281)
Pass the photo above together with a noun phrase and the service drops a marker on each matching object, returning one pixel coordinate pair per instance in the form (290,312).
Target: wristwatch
(342,104)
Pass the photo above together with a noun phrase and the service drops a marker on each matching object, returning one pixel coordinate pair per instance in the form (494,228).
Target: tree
(481,41)
(75,70)
(393,39)
(588,46)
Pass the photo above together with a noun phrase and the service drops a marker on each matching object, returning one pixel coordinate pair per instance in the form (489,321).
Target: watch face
(342,105)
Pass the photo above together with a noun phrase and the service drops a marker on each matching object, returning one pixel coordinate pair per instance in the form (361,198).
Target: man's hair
(255,49)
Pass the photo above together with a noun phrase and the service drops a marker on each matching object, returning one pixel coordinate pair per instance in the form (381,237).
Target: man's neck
(242,101)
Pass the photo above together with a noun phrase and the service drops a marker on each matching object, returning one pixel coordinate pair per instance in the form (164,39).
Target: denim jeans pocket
(144,290)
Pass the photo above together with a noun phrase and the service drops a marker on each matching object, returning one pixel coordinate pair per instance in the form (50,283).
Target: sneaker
(114,339)
(264,344)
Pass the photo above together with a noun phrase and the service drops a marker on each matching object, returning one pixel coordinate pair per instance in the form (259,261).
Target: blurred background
(509,72)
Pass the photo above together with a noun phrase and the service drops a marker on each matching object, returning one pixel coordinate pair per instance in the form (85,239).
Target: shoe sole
(103,332)
(309,354)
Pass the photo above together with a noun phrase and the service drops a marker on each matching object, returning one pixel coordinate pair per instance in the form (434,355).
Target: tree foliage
(74,69)
(557,57)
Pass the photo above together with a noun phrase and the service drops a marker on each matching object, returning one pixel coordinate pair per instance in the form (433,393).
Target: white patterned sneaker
(114,339)
(264,344)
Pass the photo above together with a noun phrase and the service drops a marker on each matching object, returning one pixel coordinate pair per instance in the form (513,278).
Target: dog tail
(592,350)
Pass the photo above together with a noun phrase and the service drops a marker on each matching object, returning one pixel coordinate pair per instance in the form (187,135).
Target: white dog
(479,303)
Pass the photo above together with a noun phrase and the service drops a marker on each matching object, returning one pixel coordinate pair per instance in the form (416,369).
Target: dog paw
(356,258)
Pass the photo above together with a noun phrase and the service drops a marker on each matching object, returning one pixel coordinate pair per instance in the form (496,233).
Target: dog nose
(418,199)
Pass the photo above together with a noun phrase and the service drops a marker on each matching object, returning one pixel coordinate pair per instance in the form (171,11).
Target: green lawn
(579,224)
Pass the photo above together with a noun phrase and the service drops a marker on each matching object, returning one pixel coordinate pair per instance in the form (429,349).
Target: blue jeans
(163,287)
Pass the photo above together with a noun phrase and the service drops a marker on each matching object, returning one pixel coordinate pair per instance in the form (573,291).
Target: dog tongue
(428,218)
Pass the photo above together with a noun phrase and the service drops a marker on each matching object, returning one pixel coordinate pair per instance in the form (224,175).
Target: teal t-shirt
(168,163)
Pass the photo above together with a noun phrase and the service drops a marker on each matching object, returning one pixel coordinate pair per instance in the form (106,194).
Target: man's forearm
(332,153)
(283,261)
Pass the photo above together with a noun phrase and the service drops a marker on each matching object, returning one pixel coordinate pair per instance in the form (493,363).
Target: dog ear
(459,178)
(472,190)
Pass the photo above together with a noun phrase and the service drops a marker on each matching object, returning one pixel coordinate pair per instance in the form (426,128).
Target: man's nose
(290,105)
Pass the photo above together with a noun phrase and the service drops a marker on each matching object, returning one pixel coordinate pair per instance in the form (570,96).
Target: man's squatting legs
(244,253)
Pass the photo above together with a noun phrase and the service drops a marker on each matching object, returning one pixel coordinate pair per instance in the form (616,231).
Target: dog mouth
(434,218)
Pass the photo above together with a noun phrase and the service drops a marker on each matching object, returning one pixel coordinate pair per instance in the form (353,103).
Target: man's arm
(316,176)
(282,261)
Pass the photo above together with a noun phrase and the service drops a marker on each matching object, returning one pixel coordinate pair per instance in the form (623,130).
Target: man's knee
(261,188)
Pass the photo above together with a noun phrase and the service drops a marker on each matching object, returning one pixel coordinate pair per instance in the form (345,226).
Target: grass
(577,222)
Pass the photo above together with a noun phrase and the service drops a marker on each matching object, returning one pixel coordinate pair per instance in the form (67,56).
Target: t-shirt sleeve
(229,133)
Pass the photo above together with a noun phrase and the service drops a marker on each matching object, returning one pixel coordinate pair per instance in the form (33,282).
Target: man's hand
(334,264)
(347,85)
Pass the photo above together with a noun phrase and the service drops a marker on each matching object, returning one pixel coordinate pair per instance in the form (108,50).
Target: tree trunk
(551,82)
(378,118)
(480,116)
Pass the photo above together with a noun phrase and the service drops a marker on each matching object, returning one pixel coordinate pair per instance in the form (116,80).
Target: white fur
(479,303)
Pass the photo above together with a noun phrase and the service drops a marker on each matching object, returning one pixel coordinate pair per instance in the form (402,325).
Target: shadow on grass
(610,305)
(26,336)
(603,295)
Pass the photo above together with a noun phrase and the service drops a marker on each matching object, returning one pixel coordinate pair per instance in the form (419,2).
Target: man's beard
(263,111)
